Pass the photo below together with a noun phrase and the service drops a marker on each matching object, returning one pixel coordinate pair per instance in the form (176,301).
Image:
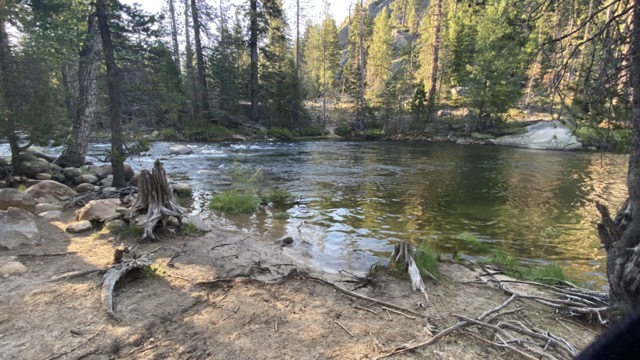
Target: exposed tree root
(114,274)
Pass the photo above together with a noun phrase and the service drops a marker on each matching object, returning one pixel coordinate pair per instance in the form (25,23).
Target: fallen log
(156,200)
(114,274)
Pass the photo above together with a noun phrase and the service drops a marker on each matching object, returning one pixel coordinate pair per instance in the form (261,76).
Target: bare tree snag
(402,254)
(156,200)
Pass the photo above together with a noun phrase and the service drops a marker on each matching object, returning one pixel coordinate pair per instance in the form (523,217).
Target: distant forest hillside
(205,70)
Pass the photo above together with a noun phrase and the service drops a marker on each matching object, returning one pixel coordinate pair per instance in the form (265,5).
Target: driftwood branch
(112,276)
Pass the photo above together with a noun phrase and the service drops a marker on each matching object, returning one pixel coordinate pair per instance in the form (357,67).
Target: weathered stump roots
(156,200)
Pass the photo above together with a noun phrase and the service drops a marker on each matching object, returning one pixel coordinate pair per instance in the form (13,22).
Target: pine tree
(379,60)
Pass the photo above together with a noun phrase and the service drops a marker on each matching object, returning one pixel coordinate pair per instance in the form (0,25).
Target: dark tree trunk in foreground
(5,96)
(76,151)
(253,45)
(621,237)
(115,102)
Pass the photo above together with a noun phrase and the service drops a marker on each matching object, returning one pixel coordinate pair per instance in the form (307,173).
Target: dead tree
(156,200)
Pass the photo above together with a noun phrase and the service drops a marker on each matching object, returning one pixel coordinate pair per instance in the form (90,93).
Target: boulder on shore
(548,135)
(79,227)
(100,210)
(17,227)
(49,191)
(14,198)
(32,168)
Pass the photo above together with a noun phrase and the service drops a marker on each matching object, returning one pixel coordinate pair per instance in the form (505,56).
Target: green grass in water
(473,243)
(235,202)
(277,196)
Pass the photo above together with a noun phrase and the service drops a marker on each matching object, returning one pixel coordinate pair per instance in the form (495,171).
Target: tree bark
(115,101)
(174,33)
(253,45)
(431,95)
(76,151)
(621,237)
(189,61)
(202,80)
(362,74)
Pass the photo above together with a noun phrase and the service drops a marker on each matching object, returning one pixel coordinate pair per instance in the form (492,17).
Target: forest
(76,71)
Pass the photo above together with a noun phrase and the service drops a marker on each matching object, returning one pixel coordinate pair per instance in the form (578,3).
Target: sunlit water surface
(357,199)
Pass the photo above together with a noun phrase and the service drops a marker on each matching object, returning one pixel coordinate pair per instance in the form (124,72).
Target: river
(357,199)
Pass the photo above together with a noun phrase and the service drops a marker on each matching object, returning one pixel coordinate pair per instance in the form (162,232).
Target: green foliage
(235,202)
(426,259)
(548,274)
(244,174)
(169,134)
(344,130)
(22,188)
(277,196)
(280,133)
(419,103)
(207,132)
(373,134)
(473,243)
(614,140)
(281,215)
(379,60)
(189,229)
(480,137)
(311,131)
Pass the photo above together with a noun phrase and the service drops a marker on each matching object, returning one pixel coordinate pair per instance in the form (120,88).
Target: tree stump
(156,200)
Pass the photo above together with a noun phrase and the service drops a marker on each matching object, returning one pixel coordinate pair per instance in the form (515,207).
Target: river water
(357,199)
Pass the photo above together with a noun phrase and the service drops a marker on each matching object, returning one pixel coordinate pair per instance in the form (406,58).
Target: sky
(339,8)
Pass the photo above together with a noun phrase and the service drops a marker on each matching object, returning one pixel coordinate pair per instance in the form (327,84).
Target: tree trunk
(621,237)
(253,45)
(174,33)
(189,61)
(115,101)
(75,152)
(202,80)
(431,95)
(5,96)
(362,74)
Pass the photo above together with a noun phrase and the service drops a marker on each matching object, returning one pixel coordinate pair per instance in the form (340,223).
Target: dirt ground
(270,308)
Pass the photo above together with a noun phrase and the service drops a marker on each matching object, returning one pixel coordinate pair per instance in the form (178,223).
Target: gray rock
(79,227)
(109,190)
(26,157)
(86,178)
(100,210)
(44,207)
(31,168)
(44,176)
(155,134)
(30,182)
(55,169)
(179,150)
(100,171)
(10,268)
(107,182)
(3,163)
(14,198)
(40,153)
(462,142)
(49,191)
(17,227)
(59,178)
(71,173)
(181,189)
(549,135)
(82,188)
(491,142)
(49,216)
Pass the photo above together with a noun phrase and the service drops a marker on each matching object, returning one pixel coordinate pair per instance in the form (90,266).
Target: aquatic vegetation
(235,202)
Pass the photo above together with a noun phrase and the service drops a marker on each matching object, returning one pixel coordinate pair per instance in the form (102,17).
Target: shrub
(189,229)
(207,132)
(310,131)
(344,130)
(280,133)
(235,202)
(169,134)
(373,134)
